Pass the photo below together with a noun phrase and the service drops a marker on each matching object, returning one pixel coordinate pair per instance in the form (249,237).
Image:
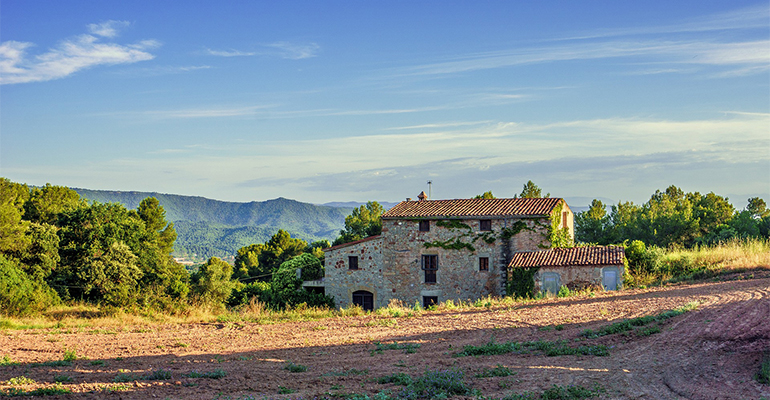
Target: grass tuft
(291,367)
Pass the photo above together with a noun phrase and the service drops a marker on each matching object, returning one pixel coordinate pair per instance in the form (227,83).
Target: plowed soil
(712,352)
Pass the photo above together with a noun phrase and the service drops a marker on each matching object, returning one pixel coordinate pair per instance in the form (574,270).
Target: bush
(521,283)
(20,294)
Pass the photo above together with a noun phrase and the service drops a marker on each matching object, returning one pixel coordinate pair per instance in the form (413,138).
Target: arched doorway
(364,299)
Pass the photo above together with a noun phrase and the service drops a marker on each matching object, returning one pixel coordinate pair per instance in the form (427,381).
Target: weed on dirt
(632,324)
(763,375)
(551,349)
(407,347)
(291,367)
(216,374)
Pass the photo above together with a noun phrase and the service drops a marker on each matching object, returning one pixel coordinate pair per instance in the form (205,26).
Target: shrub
(20,294)
(521,283)
(763,375)
(291,367)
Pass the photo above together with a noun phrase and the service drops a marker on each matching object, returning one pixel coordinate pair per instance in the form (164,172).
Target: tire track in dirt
(708,353)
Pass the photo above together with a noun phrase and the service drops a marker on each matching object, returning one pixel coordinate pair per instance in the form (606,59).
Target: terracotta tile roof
(472,208)
(339,246)
(593,255)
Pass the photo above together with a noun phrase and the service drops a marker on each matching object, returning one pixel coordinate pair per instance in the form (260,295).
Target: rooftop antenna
(430,190)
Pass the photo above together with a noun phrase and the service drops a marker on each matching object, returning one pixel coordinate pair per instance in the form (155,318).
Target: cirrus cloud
(70,56)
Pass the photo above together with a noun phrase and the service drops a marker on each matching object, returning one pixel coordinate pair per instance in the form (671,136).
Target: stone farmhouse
(436,250)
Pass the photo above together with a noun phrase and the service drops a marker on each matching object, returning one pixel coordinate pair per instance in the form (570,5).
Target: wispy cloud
(752,54)
(296,51)
(286,50)
(162,70)
(72,55)
(441,125)
(230,53)
(108,29)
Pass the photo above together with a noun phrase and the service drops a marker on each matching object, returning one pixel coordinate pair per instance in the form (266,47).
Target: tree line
(673,218)
(56,247)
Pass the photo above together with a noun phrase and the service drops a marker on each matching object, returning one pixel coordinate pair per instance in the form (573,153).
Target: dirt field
(711,352)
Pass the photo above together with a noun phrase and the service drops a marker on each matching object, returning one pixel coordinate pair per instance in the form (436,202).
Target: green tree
(668,219)
(212,281)
(247,263)
(41,257)
(46,203)
(113,274)
(485,195)
(13,229)
(363,222)
(154,217)
(532,191)
(21,294)
(591,225)
(710,210)
(757,208)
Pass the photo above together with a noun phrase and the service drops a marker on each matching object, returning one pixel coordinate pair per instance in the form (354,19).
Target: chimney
(408,199)
(422,196)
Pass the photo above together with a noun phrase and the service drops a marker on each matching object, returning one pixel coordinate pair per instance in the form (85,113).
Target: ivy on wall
(521,282)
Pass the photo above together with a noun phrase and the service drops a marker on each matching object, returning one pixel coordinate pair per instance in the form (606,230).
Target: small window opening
(430,266)
(353,262)
(424,226)
(564,219)
(483,263)
(485,225)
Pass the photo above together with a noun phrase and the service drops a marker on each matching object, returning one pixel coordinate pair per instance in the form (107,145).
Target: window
(564,219)
(430,265)
(353,262)
(485,225)
(428,301)
(364,299)
(483,263)
(424,226)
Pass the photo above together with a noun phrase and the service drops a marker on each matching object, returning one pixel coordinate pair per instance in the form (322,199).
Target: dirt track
(709,353)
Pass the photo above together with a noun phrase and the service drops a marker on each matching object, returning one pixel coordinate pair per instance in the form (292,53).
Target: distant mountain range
(207,228)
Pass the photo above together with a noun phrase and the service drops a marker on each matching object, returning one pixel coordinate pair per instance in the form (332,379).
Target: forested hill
(209,227)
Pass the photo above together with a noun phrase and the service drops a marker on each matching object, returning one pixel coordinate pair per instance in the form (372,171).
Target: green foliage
(261,261)
(309,265)
(563,292)
(44,391)
(518,226)
(452,224)
(450,244)
(407,347)
(244,294)
(12,198)
(431,385)
(485,195)
(532,191)
(363,222)
(216,374)
(763,375)
(521,282)
(591,226)
(632,324)
(20,294)
(212,281)
(291,367)
(490,349)
(46,203)
(550,349)
(558,237)
(673,218)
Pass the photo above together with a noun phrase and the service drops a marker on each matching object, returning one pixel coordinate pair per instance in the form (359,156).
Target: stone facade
(471,259)
(578,268)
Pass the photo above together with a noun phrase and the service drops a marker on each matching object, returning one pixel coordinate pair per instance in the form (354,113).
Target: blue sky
(353,100)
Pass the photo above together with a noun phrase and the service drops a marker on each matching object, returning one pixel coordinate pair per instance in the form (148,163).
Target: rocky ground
(711,352)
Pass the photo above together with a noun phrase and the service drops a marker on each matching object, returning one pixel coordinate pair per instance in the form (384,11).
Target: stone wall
(340,282)
(578,275)
(458,276)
